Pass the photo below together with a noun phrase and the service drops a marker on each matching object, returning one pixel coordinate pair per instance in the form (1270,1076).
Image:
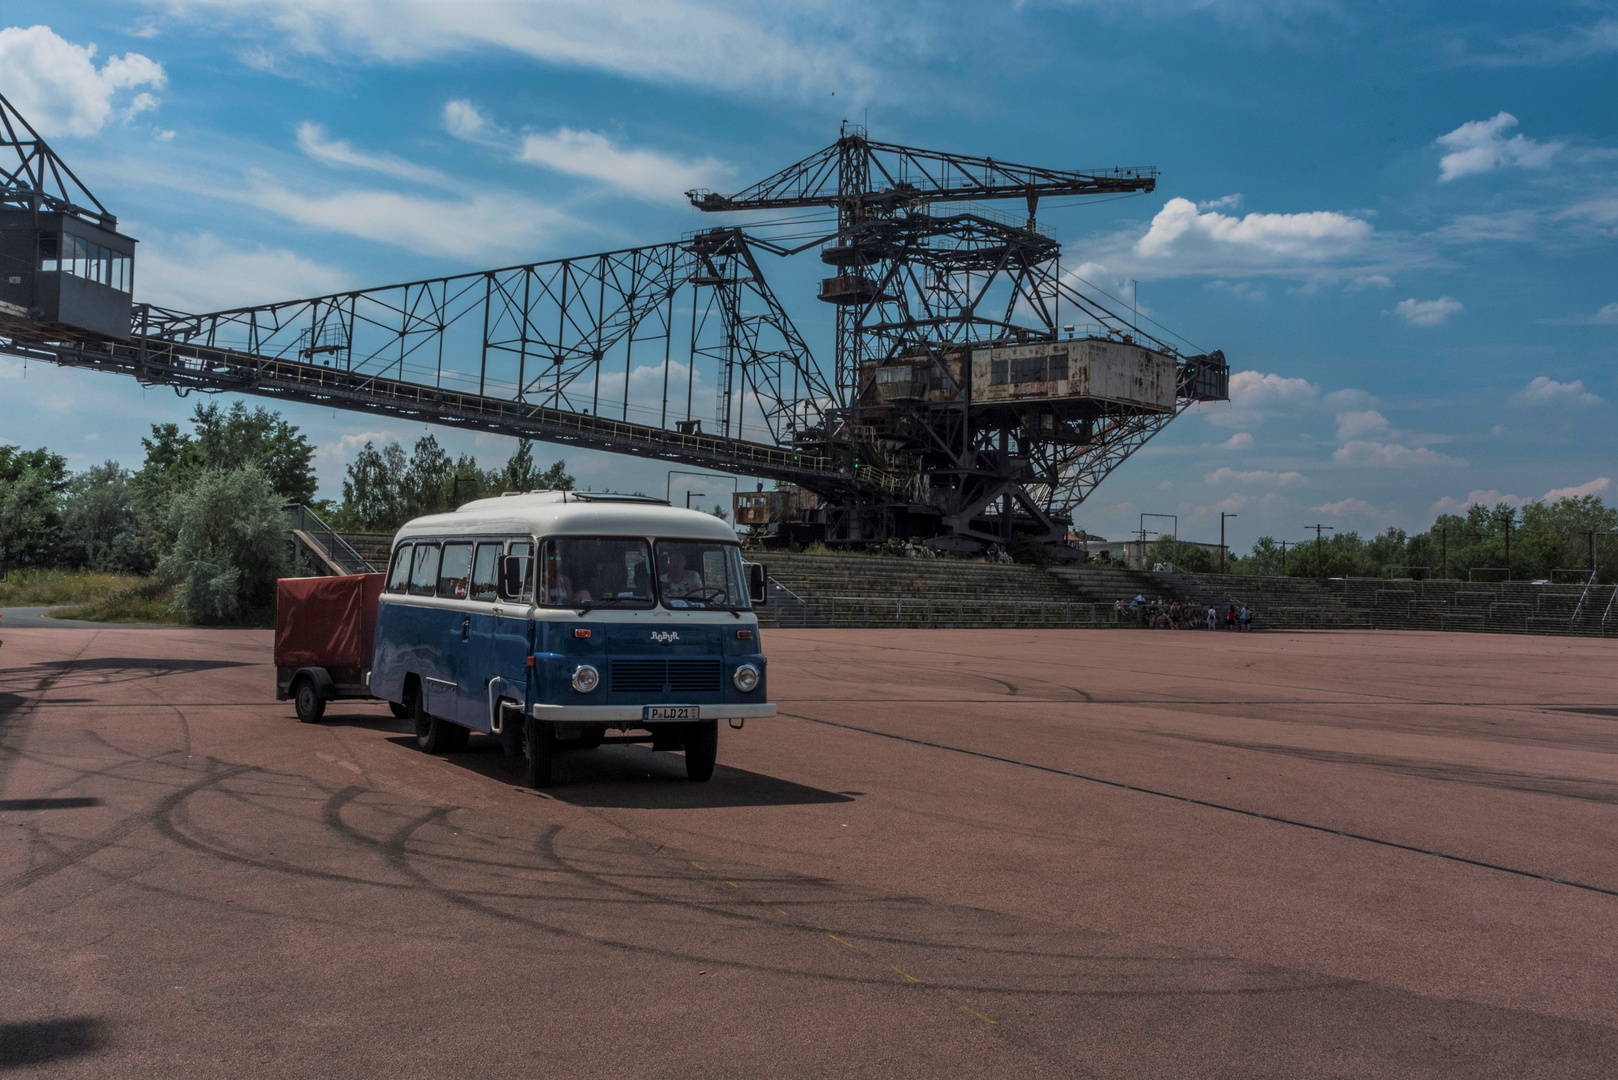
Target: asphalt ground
(954,854)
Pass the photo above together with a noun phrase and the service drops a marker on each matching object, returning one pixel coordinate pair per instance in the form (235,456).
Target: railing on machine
(338,553)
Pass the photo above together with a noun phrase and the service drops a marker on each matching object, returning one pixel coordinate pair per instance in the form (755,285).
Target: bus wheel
(400,711)
(434,735)
(701,749)
(539,752)
(310,705)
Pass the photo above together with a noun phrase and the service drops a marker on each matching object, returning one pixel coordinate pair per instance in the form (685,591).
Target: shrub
(229,545)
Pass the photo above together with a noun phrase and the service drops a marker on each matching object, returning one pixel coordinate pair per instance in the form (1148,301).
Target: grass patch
(146,601)
(42,588)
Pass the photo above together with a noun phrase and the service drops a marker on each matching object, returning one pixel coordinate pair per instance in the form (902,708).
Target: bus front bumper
(635,714)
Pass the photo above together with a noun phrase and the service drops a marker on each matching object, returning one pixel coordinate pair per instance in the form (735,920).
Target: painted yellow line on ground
(912,978)
(979,1015)
(839,940)
(732,884)
(699,866)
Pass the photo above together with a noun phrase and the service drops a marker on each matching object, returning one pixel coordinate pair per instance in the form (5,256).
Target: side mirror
(512,573)
(758,582)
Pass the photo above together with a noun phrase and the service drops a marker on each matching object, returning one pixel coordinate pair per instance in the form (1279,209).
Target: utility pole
(1320,559)
(1283,558)
(1222,517)
(1443,551)
(1509,515)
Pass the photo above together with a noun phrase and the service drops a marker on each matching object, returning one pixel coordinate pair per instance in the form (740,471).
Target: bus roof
(561,513)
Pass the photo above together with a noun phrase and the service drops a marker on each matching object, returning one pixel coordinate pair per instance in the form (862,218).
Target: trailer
(325,628)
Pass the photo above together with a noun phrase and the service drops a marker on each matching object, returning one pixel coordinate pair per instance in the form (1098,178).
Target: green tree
(32,485)
(98,522)
(373,498)
(237,438)
(229,545)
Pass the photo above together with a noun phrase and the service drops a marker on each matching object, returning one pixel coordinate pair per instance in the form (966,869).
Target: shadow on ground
(40,1041)
(623,777)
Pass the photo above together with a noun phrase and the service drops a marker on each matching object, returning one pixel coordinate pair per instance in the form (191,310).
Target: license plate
(671,712)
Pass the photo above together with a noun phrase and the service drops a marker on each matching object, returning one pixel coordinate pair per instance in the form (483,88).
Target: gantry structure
(975,393)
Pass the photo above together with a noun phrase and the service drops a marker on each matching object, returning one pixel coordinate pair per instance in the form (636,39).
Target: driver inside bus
(559,587)
(680,582)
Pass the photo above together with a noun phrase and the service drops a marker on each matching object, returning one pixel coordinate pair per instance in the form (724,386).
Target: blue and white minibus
(558,620)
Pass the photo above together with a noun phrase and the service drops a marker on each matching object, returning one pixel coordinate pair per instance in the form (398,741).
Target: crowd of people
(1158,614)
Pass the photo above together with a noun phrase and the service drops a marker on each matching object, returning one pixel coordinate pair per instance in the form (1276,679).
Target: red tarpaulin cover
(326,621)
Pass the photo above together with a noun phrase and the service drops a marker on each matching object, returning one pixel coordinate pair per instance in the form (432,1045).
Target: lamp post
(1222,517)
(698,494)
(1320,559)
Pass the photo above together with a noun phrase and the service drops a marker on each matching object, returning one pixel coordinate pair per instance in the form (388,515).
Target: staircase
(1501,607)
(327,551)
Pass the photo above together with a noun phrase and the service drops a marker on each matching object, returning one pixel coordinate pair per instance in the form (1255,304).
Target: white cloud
(1345,400)
(1602,209)
(57,86)
(1227,202)
(1227,475)
(312,140)
(1254,395)
(1606,316)
(1602,485)
(1506,225)
(1241,290)
(715,43)
(1373,454)
(474,229)
(1361,282)
(1450,505)
(203,273)
(1542,391)
(1426,312)
(342,450)
(1351,425)
(1480,145)
(462,119)
(1182,234)
(1239,441)
(644,173)
(1348,508)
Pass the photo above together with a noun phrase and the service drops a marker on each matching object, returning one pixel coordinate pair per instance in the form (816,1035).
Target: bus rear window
(399,575)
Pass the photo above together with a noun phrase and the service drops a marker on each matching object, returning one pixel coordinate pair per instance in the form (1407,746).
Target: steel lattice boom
(956,408)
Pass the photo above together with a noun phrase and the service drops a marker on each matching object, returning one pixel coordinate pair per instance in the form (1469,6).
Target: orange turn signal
(581,632)
(744,635)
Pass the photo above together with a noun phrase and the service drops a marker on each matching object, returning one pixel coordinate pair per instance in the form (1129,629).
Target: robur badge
(666,636)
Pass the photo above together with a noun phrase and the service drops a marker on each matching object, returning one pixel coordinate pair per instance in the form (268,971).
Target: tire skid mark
(83,849)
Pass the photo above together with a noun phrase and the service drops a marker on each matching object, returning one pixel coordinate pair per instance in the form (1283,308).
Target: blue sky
(1398,220)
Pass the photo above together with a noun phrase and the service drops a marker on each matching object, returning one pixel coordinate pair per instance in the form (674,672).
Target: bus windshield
(701,574)
(596,571)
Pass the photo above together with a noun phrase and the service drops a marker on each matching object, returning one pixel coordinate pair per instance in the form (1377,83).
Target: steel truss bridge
(675,351)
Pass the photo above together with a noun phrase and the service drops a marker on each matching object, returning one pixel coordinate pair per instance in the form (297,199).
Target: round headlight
(746,678)
(586,679)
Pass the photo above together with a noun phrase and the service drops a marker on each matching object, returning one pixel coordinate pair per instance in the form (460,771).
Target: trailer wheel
(310,705)
(399,710)
(701,749)
(539,752)
(434,734)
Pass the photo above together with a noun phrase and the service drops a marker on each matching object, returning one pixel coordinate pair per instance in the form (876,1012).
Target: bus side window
(486,572)
(424,571)
(399,575)
(455,572)
(524,550)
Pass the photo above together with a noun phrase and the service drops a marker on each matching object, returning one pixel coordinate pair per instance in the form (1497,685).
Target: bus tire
(701,749)
(434,735)
(539,752)
(307,701)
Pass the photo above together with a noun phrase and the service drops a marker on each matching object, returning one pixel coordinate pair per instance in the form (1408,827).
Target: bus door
(513,630)
(460,679)
(481,618)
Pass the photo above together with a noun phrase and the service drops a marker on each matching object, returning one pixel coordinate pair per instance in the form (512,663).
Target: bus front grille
(659,676)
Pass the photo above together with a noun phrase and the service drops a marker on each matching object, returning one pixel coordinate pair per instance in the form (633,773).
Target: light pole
(689,493)
(1222,517)
(668,490)
(1320,559)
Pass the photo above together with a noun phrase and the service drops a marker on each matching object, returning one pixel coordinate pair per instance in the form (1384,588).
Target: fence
(875,611)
